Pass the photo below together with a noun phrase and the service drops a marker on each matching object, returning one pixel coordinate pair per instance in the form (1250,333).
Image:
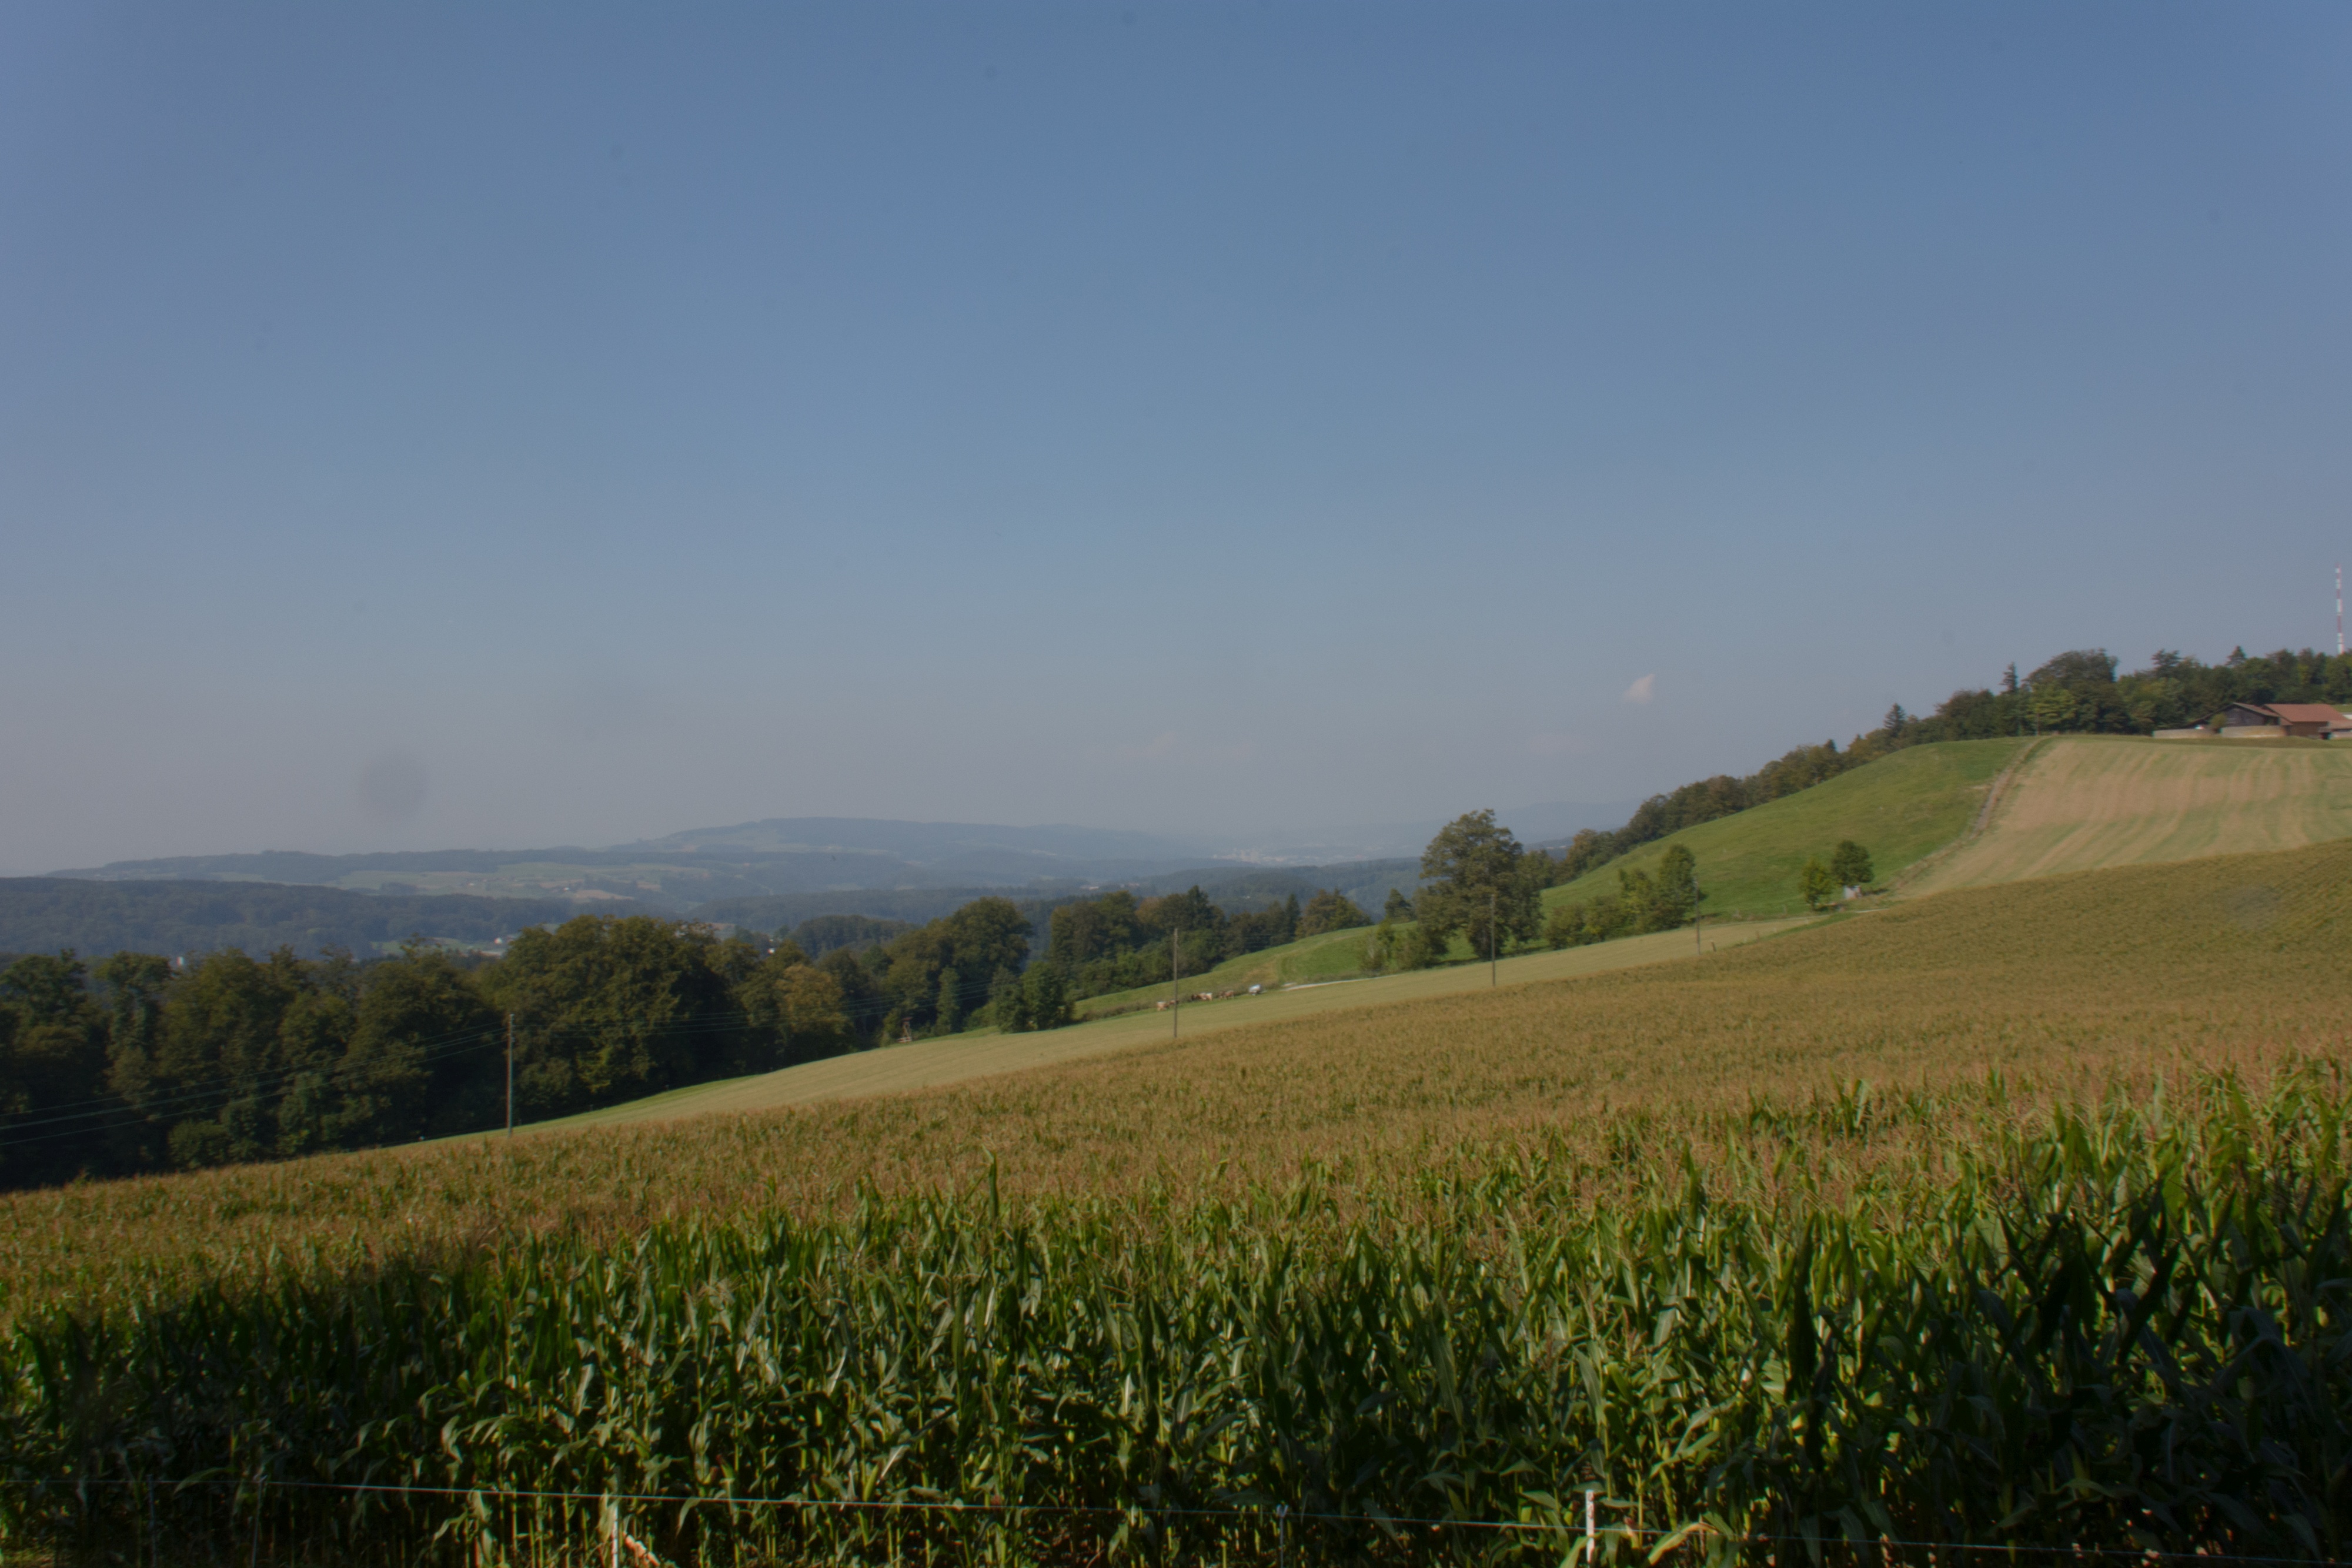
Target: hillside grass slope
(985,1053)
(1901,807)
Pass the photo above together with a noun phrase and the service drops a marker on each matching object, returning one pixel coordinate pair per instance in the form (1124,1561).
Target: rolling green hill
(1902,809)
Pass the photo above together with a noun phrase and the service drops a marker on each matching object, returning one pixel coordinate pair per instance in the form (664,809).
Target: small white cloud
(1643,690)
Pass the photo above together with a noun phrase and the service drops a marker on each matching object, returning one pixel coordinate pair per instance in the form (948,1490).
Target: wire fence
(1591,1539)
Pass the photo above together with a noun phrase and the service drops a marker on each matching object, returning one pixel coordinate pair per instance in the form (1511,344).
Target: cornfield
(2116,1322)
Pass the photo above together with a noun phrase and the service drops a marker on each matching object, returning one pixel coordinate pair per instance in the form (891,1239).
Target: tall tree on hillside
(1188,911)
(1675,896)
(1091,928)
(988,933)
(1850,863)
(1199,927)
(1331,910)
(1472,874)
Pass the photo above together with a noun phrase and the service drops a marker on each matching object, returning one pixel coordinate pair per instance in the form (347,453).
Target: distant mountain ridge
(43,915)
(777,857)
(766,874)
(926,842)
(789,856)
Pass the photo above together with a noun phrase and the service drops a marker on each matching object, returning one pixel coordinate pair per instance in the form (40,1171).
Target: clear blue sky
(1219,418)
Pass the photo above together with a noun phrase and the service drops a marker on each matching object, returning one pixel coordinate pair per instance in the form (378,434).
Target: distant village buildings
(2269,721)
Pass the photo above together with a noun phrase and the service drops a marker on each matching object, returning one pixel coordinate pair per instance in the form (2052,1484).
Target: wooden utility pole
(509,1075)
(1492,974)
(1175,968)
(1696,946)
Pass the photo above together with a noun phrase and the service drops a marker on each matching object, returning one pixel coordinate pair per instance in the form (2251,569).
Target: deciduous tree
(1331,910)
(1473,884)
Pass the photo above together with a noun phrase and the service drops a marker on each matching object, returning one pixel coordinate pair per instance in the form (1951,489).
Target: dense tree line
(824,933)
(145,1062)
(138,1063)
(1117,942)
(1330,910)
(2074,692)
(2080,693)
(959,970)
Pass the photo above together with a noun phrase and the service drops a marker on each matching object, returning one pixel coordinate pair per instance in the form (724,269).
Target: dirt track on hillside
(2082,804)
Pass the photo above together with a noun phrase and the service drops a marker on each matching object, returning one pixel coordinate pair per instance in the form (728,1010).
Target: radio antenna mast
(2340,609)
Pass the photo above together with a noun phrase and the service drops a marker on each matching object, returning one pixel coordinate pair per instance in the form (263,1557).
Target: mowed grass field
(2081,802)
(981,1053)
(1902,809)
(2059,985)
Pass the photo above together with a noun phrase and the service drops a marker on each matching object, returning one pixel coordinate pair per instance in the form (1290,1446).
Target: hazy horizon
(1538,821)
(430,426)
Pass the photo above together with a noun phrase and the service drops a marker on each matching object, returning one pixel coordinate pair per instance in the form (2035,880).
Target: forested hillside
(136,1063)
(1233,887)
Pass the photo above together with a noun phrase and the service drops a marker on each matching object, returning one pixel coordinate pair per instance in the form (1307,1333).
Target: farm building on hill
(2256,721)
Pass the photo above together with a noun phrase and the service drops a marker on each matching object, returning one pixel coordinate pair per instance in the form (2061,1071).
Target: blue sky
(601,420)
